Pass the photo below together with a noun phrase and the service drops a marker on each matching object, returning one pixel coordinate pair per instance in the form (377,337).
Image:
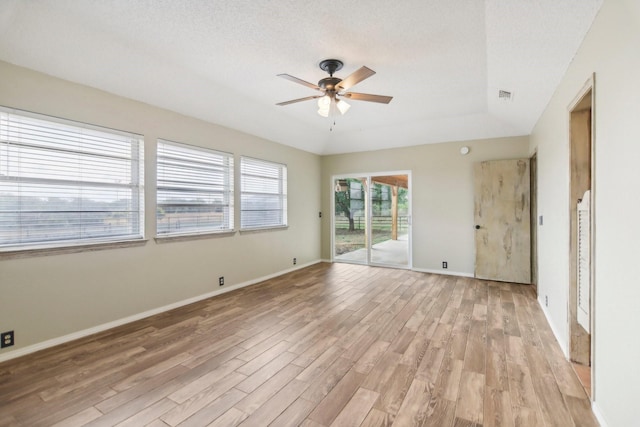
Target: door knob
(477,227)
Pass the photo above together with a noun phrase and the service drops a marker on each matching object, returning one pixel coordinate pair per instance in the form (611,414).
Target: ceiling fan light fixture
(324,112)
(332,87)
(342,105)
(324,102)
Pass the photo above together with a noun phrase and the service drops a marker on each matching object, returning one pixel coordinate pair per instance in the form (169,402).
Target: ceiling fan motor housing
(329,83)
(330,66)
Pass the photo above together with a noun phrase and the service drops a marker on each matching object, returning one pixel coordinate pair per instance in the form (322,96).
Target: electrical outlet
(546,300)
(445,264)
(319,214)
(221,280)
(7,339)
(295,261)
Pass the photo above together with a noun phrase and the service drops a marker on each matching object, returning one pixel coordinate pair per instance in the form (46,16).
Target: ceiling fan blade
(293,101)
(356,77)
(299,81)
(367,97)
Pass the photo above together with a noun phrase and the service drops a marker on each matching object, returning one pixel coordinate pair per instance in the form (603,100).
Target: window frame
(227,191)
(70,135)
(282,193)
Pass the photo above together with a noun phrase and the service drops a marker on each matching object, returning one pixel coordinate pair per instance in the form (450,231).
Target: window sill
(263,229)
(69,249)
(199,236)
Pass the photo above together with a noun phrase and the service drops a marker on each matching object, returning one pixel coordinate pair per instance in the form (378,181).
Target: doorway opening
(581,196)
(371,219)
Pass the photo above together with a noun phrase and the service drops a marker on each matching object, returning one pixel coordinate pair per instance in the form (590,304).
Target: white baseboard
(444,272)
(100,328)
(425,270)
(598,414)
(562,341)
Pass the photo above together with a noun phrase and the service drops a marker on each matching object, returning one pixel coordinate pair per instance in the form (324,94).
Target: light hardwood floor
(328,345)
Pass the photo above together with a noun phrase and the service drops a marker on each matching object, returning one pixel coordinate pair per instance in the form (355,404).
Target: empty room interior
(319,213)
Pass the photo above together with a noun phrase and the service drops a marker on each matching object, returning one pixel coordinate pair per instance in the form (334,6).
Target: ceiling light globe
(343,107)
(323,102)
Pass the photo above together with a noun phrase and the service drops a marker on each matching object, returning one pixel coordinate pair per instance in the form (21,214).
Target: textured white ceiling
(442,61)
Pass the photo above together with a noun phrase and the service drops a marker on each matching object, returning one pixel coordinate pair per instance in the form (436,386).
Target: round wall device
(464,150)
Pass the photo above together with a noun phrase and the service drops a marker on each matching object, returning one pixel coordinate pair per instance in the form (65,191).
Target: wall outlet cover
(7,339)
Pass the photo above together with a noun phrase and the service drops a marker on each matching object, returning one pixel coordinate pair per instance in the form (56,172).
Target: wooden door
(502,218)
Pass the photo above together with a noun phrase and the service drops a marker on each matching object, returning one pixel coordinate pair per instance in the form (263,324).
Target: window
(65,183)
(195,190)
(263,201)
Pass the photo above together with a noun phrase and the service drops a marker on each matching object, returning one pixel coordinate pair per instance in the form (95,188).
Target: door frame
(368,176)
(588,86)
(533,205)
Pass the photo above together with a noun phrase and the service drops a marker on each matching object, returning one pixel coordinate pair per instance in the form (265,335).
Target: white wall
(47,297)
(442,195)
(612,51)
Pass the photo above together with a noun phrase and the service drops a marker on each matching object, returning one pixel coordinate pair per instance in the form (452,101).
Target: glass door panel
(350,220)
(389,206)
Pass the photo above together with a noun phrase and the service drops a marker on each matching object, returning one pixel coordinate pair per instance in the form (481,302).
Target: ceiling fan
(334,88)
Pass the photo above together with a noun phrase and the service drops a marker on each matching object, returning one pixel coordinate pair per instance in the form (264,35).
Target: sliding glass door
(371,221)
(350,220)
(390,220)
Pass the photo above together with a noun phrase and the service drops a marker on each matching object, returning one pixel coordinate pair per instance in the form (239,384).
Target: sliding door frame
(368,176)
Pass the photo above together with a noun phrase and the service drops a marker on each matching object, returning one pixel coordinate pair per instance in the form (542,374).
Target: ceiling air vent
(505,95)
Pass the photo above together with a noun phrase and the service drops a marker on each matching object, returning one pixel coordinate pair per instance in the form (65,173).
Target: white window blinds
(65,183)
(263,201)
(195,190)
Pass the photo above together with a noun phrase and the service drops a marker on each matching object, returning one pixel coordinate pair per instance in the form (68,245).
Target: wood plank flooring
(584,376)
(328,345)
